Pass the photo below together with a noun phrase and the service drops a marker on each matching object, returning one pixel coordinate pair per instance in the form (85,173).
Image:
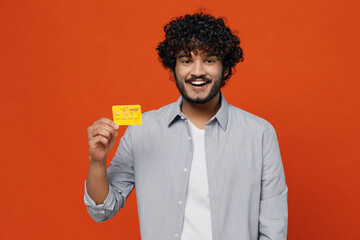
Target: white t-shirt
(197,220)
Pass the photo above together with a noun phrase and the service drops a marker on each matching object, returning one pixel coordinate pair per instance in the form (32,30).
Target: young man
(203,169)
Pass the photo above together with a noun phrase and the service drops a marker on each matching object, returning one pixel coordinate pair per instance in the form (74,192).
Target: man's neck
(200,114)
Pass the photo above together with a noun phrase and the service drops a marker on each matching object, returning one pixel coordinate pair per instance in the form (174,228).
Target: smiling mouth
(198,82)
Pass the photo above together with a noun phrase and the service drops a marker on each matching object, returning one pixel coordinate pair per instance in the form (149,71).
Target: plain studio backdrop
(63,64)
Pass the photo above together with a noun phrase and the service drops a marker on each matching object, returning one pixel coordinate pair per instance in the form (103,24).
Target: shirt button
(180,202)
(189,138)
(185,169)
(176,235)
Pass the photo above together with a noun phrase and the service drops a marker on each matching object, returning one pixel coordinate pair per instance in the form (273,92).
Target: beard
(215,89)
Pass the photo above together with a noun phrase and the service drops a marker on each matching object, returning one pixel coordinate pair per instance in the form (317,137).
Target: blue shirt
(247,189)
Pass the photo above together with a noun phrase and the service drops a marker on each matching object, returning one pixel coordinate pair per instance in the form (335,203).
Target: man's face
(198,77)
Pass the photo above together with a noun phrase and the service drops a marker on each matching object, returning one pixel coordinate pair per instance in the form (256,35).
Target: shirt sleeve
(121,182)
(273,203)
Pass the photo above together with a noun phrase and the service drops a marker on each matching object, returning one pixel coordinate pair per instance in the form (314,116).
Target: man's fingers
(99,139)
(107,122)
(101,129)
(101,132)
(102,135)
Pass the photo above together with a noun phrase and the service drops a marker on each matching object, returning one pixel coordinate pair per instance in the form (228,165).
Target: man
(203,169)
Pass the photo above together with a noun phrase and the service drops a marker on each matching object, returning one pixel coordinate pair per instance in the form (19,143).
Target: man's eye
(210,60)
(185,61)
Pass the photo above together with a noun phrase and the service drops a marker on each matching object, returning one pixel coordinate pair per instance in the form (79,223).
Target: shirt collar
(222,116)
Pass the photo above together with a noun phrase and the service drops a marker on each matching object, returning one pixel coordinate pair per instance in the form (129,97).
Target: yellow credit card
(127,114)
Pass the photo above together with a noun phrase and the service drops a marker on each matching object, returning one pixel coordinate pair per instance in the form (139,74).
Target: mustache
(193,78)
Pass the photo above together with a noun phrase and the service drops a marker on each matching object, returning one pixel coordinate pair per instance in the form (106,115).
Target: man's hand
(101,137)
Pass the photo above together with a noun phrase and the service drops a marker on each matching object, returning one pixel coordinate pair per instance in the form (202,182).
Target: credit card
(127,114)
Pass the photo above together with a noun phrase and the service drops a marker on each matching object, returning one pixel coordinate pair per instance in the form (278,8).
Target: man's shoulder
(154,120)
(247,119)
(157,114)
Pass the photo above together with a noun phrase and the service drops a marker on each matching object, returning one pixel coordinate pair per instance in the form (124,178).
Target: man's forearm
(97,184)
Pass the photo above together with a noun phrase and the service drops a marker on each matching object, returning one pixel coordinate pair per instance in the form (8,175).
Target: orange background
(63,64)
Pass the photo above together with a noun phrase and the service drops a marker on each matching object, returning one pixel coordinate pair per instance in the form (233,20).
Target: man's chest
(230,157)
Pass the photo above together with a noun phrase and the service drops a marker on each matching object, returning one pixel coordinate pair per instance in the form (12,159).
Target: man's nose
(198,69)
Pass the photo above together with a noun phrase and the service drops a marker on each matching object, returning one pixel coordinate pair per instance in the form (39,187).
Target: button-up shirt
(247,189)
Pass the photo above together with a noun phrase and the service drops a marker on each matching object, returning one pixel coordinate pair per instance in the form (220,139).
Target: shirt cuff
(108,203)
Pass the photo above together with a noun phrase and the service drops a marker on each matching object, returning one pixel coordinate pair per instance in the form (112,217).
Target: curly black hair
(200,32)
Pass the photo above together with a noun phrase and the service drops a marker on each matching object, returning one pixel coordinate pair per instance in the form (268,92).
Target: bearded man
(203,169)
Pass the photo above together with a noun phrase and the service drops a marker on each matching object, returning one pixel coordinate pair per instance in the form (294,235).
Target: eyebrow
(211,55)
(184,55)
(189,56)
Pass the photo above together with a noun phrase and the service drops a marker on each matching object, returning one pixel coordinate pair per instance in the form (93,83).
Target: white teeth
(198,82)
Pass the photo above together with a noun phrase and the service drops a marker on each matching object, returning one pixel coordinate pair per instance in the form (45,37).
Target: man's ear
(226,72)
(172,73)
